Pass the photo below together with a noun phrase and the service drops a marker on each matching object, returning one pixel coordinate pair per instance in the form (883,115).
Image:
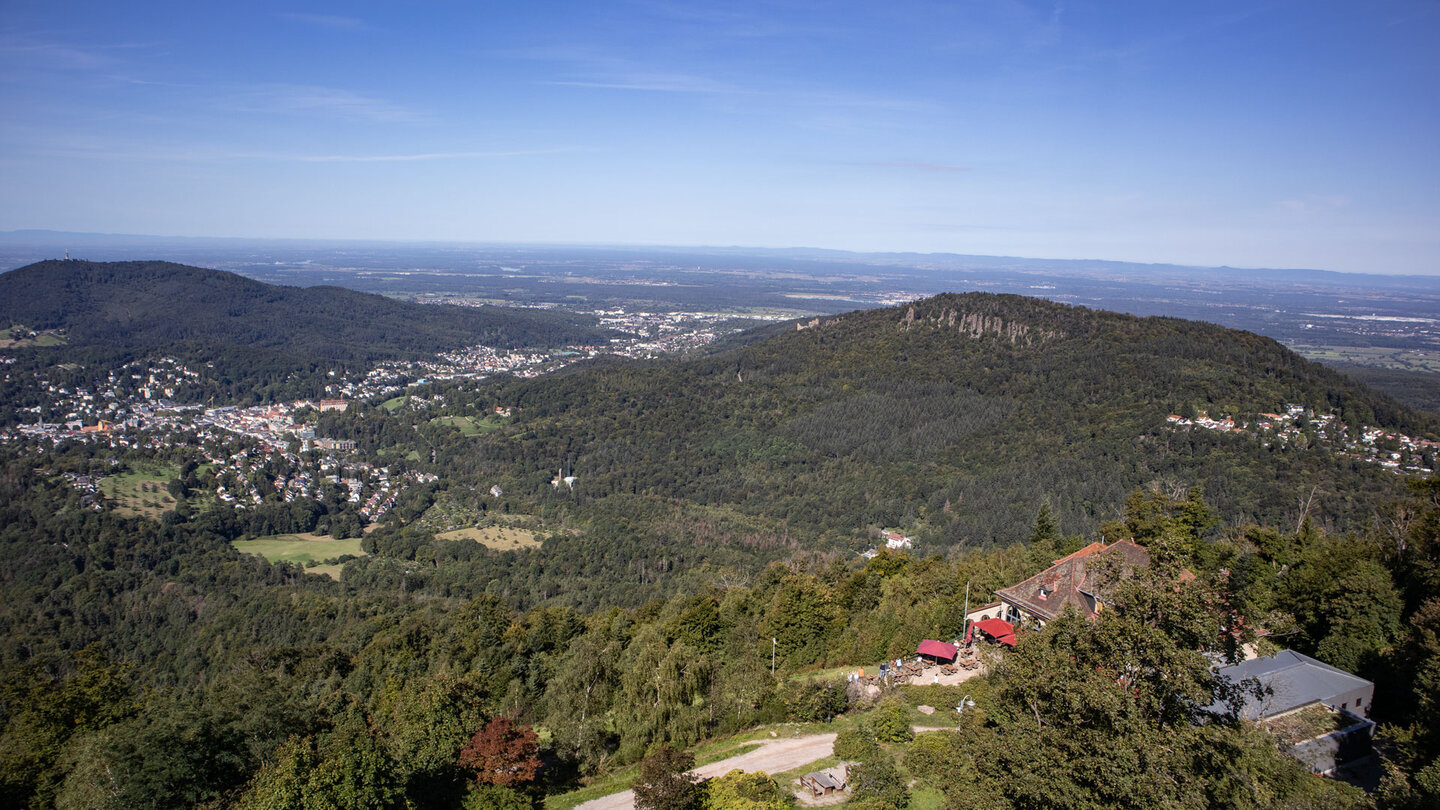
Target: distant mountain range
(56,242)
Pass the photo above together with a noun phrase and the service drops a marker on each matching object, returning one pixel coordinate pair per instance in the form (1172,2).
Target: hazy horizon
(56,240)
(1282,135)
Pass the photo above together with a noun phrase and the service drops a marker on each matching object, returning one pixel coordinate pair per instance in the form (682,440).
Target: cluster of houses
(125,400)
(88,486)
(1390,449)
(658,333)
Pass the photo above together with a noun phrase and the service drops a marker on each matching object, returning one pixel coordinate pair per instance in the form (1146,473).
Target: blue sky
(1280,134)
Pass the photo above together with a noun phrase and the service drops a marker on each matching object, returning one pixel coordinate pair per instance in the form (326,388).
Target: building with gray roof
(1291,680)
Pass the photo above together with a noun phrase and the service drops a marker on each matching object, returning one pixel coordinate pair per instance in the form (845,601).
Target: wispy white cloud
(38,51)
(918,166)
(330,21)
(1173,37)
(46,54)
(98,151)
(657,82)
(717,20)
(1314,202)
(324,100)
(408,158)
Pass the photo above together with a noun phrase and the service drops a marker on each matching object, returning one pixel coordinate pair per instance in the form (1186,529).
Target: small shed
(938,651)
(830,780)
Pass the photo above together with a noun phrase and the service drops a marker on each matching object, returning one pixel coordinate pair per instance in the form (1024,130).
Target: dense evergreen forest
(717,502)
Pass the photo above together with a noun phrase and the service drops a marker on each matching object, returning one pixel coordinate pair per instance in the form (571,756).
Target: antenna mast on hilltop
(67,254)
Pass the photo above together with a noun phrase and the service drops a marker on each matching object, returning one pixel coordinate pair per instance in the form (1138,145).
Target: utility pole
(965,617)
(772,656)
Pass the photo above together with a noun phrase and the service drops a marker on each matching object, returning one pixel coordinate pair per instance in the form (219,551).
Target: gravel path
(773,756)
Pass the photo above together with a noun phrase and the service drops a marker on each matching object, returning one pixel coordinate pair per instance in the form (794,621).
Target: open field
(469,425)
(17,337)
(141,492)
(332,570)
(1403,359)
(38,340)
(395,403)
(499,538)
(302,549)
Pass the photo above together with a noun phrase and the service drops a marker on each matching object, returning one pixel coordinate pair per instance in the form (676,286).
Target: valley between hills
(506,557)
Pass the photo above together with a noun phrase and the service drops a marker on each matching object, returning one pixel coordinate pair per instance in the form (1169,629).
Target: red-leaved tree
(502,753)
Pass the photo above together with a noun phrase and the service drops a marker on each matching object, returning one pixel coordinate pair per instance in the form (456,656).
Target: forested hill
(153,305)
(954,417)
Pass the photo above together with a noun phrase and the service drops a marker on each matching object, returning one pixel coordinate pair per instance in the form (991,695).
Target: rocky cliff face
(977,325)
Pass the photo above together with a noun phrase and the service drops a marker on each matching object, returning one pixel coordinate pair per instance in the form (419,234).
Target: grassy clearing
(830,674)
(302,549)
(395,403)
(469,425)
(141,492)
(16,337)
(464,424)
(491,422)
(499,538)
(332,571)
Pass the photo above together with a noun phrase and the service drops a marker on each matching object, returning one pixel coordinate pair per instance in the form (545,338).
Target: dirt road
(773,756)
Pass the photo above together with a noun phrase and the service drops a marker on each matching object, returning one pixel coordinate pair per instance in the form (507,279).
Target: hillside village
(1302,427)
(55,399)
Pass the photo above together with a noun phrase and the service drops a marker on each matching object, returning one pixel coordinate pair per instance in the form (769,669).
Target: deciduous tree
(502,753)
(665,782)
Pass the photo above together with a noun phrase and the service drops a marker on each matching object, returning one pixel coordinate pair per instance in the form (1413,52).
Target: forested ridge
(256,334)
(719,501)
(951,418)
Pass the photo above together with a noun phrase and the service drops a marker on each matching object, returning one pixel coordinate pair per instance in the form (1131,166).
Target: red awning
(997,629)
(938,649)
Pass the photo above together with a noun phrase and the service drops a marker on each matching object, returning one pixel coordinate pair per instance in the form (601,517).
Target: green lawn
(500,538)
(302,549)
(469,425)
(464,424)
(142,491)
(15,337)
(395,403)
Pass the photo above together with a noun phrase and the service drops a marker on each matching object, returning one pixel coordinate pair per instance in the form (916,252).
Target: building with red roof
(1074,580)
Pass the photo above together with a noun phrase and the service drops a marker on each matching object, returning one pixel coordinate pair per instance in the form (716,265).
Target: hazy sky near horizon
(1265,134)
